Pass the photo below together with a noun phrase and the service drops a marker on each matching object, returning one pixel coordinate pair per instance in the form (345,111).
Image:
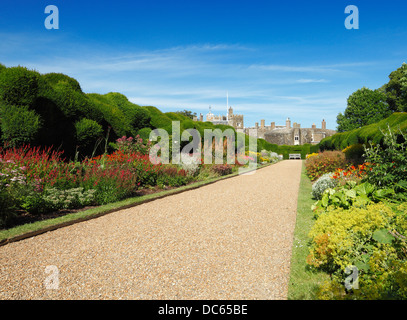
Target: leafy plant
(371,240)
(324,182)
(19,86)
(352,195)
(388,163)
(324,162)
(365,107)
(19,125)
(222,169)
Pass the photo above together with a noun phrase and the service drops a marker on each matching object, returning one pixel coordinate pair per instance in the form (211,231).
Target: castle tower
(230,113)
(262,123)
(323,124)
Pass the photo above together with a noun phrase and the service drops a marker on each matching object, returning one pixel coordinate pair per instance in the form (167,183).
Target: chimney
(201,117)
(262,123)
(314,126)
(272,125)
(288,123)
(256,125)
(323,124)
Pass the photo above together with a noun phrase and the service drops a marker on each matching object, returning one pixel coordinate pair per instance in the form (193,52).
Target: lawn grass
(304,280)
(31,229)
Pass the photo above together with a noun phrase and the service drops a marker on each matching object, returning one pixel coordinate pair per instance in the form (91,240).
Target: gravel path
(228,240)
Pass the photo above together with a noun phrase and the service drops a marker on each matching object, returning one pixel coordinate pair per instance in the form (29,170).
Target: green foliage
(73,198)
(19,125)
(113,116)
(324,182)
(351,195)
(87,132)
(137,117)
(7,205)
(144,133)
(54,78)
(396,89)
(370,133)
(54,199)
(388,163)
(19,86)
(373,240)
(365,107)
(72,103)
(354,153)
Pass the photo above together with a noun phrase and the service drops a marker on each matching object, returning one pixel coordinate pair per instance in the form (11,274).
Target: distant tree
(365,107)
(396,89)
(187,113)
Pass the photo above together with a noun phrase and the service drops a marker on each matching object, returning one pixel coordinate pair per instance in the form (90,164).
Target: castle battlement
(276,134)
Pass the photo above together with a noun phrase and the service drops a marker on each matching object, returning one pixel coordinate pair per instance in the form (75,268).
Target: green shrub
(368,240)
(370,133)
(324,182)
(7,205)
(53,199)
(34,203)
(354,153)
(74,104)
(69,199)
(351,195)
(87,132)
(222,169)
(138,117)
(173,176)
(54,78)
(325,162)
(144,133)
(19,86)
(388,163)
(113,116)
(19,125)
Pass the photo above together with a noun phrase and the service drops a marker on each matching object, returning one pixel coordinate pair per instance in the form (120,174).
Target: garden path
(227,240)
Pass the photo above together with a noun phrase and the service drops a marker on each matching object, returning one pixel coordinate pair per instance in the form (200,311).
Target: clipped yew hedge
(371,133)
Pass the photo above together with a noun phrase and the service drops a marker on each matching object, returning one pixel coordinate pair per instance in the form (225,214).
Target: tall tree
(365,107)
(396,89)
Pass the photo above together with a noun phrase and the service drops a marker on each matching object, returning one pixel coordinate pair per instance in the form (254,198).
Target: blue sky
(276,59)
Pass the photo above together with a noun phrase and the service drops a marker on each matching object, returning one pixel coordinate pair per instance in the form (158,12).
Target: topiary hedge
(19,125)
(373,132)
(19,86)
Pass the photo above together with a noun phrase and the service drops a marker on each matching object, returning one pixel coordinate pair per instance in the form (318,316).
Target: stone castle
(276,134)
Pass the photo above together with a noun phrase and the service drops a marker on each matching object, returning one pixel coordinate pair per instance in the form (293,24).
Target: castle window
(296,140)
